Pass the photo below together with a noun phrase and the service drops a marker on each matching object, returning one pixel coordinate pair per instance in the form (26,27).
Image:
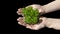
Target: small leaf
(31,15)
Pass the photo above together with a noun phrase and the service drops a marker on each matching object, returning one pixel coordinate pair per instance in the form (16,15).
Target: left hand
(33,27)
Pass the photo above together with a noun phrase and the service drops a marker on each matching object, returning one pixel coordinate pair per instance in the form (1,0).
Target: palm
(33,27)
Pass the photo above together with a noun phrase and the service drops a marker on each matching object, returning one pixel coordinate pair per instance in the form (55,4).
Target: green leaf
(31,15)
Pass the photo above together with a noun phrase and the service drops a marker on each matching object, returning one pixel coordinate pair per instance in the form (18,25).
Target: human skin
(53,23)
(47,22)
(53,6)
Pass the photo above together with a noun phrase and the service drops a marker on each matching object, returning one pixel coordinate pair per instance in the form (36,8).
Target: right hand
(35,6)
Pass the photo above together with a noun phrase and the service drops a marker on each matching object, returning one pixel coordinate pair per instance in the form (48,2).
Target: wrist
(53,23)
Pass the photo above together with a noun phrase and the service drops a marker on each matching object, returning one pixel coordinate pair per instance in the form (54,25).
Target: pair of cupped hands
(35,26)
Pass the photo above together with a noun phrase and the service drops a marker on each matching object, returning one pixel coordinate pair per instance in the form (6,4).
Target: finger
(41,11)
(20,18)
(33,27)
(28,26)
(19,12)
(34,6)
(43,18)
(21,21)
(43,23)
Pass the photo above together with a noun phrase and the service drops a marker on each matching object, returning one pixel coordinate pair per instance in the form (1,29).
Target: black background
(23,3)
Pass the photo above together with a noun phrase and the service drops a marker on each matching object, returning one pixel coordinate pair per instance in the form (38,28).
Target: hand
(35,6)
(38,26)
(39,7)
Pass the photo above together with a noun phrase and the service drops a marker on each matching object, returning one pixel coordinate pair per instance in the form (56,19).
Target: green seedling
(31,15)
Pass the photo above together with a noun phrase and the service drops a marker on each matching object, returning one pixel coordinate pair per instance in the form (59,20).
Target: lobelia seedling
(31,15)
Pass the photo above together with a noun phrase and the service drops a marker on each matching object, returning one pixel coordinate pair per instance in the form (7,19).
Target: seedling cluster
(31,15)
